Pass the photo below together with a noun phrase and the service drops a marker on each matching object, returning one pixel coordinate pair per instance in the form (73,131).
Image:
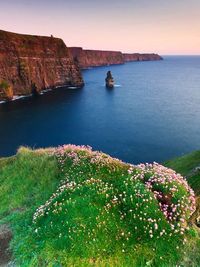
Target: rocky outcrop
(94,58)
(109,80)
(29,64)
(141,57)
(5,238)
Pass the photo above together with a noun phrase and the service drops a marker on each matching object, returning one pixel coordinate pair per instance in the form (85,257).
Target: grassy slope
(28,180)
(185,165)
(23,178)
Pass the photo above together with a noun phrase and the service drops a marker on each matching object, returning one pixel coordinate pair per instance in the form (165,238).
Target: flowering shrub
(103,205)
(176,200)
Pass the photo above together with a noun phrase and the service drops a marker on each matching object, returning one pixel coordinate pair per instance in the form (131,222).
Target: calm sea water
(153,114)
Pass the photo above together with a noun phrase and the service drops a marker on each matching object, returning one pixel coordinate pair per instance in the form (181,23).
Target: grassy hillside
(188,166)
(71,206)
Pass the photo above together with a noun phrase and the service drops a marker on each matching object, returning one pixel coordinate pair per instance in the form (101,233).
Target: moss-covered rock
(6,90)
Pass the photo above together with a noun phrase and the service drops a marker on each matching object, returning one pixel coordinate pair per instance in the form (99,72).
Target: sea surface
(153,113)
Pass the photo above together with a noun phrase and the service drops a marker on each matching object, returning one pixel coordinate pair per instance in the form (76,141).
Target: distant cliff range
(30,64)
(94,58)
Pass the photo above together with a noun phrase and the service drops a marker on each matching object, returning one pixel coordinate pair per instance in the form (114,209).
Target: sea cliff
(94,58)
(141,57)
(30,64)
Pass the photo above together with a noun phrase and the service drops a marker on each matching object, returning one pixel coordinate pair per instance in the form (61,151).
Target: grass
(4,85)
(186,165)
(75,207)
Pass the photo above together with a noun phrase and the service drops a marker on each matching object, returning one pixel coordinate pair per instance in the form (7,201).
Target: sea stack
(109,80)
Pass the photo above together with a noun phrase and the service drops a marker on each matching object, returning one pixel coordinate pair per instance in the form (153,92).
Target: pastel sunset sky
(161,26)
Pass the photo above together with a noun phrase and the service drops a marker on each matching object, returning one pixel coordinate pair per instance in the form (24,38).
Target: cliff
(29,64)
(141,57)
(94,58)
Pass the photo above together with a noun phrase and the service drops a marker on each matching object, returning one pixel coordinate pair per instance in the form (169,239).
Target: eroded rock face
(29,63)
(109,80)
(141,57)
(94,58)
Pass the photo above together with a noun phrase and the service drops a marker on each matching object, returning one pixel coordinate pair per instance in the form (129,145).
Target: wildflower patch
(104,205)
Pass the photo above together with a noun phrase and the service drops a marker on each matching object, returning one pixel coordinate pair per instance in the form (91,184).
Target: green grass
(185,165)
(4,85)
(90,209)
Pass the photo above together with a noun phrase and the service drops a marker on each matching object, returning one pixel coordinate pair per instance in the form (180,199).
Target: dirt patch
(5,237)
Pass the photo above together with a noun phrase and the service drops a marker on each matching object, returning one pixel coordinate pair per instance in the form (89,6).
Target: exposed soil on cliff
(5,237)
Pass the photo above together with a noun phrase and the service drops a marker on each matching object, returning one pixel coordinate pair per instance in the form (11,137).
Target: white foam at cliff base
(72,87)
(115,85)
(45,91)
(16,97)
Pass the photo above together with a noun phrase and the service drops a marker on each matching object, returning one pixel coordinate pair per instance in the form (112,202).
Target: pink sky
(164,27)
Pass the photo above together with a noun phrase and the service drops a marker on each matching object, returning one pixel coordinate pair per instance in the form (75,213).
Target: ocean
(152,114)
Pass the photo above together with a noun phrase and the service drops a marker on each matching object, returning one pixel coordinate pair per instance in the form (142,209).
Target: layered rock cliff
(141,57)
(29,64)
(94,58)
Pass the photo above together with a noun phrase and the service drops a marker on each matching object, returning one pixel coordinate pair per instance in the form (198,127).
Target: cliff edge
(29,64)
(94,58)
(141,57)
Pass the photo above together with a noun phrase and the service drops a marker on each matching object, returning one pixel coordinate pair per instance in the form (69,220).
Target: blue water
(153,115)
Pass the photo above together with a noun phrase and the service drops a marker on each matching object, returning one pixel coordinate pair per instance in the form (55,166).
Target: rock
(94,58)
(194,171)
(109,80)
(141,57)
(195,218)
(5,237)
(27,60)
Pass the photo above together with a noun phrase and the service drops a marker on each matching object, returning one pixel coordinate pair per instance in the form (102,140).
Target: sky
(167,27)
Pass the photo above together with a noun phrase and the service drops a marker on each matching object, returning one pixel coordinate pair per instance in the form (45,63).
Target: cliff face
(141,57)
(94,58)
(29,64)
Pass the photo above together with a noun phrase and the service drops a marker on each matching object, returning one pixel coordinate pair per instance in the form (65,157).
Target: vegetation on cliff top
(188,165)
(71,206)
